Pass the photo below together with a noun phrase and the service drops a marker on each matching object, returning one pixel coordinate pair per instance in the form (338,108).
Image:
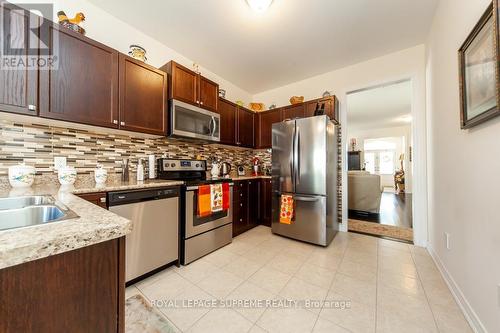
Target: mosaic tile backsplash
(37,145)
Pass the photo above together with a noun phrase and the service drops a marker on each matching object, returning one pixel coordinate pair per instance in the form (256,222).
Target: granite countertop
(94,224)
(250,177)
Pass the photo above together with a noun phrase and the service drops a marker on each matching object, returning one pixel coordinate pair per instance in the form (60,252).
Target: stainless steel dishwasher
(154,240)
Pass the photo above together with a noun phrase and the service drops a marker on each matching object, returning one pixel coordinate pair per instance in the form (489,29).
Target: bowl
(257,107)
(296,99)
(21,175)
(66,175)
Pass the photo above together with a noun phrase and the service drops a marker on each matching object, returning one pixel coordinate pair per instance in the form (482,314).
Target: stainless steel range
(199,235)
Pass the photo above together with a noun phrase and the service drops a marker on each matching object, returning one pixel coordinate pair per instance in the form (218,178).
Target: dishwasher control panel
(126,197)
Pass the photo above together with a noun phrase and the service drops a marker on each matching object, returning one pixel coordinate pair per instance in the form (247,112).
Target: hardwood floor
(395,210)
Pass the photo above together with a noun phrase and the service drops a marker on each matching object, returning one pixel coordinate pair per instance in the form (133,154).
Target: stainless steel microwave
(189,121)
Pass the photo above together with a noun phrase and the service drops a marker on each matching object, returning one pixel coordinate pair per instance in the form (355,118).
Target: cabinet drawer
(98,199)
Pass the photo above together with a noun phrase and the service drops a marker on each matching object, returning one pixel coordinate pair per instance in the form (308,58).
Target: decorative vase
(66,175)
(100,175)
(296,99)
(222,93)
(21,175)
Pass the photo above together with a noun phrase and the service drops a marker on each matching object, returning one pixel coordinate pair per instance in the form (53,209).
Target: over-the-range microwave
(189,121)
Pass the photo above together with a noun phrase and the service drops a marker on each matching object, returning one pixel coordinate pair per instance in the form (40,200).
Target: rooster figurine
(74,23)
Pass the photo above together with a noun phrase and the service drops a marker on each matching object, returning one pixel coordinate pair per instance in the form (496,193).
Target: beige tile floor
(390,286)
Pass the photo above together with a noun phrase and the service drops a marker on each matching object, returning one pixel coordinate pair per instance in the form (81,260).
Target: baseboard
(458,295)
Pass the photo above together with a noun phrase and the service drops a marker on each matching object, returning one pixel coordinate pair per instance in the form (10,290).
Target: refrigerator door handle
(292,158)
(309,199)
(297,164)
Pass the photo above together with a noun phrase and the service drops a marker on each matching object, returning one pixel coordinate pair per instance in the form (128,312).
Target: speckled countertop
(94,224)
(250,177)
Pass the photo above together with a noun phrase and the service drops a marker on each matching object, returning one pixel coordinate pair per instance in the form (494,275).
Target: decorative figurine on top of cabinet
(72,24)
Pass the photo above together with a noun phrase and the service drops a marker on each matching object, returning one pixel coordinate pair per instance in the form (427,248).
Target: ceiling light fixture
(259,5)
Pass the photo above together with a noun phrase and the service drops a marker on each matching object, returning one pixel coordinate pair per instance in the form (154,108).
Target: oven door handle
(194,188)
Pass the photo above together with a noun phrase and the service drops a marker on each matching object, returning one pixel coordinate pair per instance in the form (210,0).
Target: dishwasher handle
(127,197)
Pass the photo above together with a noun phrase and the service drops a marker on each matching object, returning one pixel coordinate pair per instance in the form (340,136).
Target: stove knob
(172,165)
(197,165)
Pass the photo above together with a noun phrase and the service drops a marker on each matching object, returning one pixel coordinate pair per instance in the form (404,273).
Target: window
(380,155)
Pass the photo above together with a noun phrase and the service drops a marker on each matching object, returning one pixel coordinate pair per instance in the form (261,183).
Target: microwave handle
(195,188)
(214,124)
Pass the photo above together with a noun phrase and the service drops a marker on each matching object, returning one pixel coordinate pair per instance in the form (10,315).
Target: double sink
(18,212)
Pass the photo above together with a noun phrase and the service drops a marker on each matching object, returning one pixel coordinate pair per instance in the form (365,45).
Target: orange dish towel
(225,196)
(216,197)
(286,214)
(204,201)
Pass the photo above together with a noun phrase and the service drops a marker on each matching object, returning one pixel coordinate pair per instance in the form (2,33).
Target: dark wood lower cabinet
(251,204)
(77,291)
(98,199)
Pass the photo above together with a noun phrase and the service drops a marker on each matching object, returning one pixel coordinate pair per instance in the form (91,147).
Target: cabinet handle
(241,220)
(201,103)
(197,102)
(32,107)
(241,205)
(122,123)
(103,200)
(115,122)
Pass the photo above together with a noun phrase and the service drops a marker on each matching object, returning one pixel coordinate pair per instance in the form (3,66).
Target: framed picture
(478,66)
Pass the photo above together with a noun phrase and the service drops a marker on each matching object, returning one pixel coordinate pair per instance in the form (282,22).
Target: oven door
(196,225)
(190,121)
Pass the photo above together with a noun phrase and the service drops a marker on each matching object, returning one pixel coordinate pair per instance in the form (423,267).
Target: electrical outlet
(447,240)
(59,162)
(498,293)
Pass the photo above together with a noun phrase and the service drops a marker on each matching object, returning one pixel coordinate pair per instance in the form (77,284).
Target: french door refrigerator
(304,166)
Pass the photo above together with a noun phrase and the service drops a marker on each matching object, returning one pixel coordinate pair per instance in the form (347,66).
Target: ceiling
(380,107)
(293,40)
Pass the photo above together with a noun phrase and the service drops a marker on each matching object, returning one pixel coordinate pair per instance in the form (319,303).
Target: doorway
(379,160)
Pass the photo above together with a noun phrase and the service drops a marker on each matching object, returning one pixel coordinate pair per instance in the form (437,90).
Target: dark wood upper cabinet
(190,87)
(265,121)
(209,94)
(182,82)
(331,105)
(228,112)
(18,87)
(293,111)
(245,135)
(143,97)
(84,87)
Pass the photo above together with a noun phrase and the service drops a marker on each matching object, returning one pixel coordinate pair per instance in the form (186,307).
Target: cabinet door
(254,208)
(266,201)
(310,108)
(184,85)
(294,111)
(227,113)
(99,199)
(245,128)
(142,97)
(84,88)
(209,92)
(18,86)
(240,207)
(266,121)
(330,104)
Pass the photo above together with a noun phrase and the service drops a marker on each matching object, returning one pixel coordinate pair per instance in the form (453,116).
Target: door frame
(419,152)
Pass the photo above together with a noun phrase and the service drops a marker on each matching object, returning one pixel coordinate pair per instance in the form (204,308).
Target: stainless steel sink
(18,212)
(21,202)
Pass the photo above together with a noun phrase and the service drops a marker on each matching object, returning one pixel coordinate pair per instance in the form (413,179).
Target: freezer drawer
(311,223)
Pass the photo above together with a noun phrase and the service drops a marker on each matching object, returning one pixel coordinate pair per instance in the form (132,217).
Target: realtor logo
(26,40)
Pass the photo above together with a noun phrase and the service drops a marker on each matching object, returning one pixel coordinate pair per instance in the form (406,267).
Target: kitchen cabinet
(190,87)
(331,107)
(143,97)
(245,133)
(228,112)
(84,88)
(99,199)
(245,205)
(265,121)
(293,111)
(209,94)
(82,290)
(19,86)
(266,202)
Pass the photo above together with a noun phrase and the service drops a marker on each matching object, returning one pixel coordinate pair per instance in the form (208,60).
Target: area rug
(141,317)
(381,230)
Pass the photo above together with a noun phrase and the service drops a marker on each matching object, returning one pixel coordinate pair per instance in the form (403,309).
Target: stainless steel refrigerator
(304,165)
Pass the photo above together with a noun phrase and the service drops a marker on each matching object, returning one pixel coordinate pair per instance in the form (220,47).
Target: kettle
(225,169)
(215,172)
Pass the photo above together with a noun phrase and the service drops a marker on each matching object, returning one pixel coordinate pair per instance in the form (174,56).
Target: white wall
(400,132)
(109,30)
(405,64)
(464,175)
